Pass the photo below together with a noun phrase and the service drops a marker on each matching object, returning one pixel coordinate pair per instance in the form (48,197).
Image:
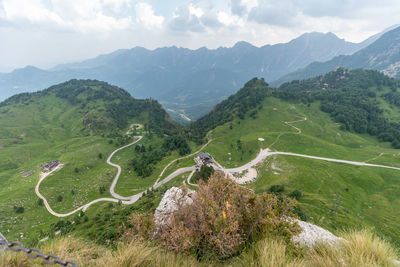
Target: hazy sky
(46,32)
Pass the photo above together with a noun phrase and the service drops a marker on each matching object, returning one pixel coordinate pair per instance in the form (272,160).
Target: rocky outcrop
(311,235)
(175,198)
(172,200)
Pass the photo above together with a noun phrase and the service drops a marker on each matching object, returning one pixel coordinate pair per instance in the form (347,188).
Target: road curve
(190,155)
(124,200)
(115,181)
(264,153)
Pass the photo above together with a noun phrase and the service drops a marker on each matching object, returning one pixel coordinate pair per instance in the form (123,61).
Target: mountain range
(187,82)
(382,55)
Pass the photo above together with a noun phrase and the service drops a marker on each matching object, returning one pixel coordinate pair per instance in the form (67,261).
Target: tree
(100,155)
(137,148)
(40,202)
(102,189)
(19,210)
(59,198)
(297,194)
(276,189)
(204,173)
(239,144)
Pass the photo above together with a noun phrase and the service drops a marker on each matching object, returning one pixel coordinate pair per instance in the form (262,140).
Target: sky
(44,33)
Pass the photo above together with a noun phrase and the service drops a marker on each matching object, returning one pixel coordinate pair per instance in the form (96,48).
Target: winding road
(262,155)
(115,181)
(117,198)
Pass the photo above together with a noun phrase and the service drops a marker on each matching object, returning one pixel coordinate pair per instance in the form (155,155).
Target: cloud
(145,15)
(211,19)
(186,19)
(278,13)
(192,18)
(238,8)
(71,15)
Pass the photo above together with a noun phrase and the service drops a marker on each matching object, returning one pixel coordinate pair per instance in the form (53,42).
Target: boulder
(172,200)
(311,235)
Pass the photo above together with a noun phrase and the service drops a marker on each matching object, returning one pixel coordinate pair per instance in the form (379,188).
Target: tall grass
(360,248)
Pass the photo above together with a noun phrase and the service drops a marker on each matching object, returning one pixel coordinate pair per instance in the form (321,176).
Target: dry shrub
(224,218)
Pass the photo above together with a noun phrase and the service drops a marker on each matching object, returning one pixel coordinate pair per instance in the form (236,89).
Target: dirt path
(288,123)
(377,157)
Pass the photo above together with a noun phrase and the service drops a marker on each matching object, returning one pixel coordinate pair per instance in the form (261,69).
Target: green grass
(47,130)
(43,128)
(372,195)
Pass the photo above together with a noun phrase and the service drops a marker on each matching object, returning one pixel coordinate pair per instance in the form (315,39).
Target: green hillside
(80,123)
(345,115)
(341,110)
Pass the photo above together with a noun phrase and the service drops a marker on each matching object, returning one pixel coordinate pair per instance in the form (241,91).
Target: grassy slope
(38,131)
(372,197)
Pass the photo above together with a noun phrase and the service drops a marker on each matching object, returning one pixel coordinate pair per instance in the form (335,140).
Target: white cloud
(229,19)
(196,11)
(72,15)
(186,19)
(145,15)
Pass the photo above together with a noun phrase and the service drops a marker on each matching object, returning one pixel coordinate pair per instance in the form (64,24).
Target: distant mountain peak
(243,44)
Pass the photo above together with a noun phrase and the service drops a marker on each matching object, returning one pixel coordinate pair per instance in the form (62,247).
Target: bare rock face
(311,235)
(172,200)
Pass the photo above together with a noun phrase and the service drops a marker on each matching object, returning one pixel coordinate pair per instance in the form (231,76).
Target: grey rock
(173,199)
(311,235)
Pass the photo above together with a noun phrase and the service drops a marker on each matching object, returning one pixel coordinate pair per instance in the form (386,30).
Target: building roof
(204,155)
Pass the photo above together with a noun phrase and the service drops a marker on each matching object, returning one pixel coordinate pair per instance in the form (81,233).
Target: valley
(346,179)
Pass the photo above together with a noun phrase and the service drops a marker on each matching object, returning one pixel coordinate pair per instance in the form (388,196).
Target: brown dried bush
(224,218)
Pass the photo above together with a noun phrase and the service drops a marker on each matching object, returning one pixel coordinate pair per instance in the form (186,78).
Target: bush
(19,210)
(223,219)
(102,189)
(204,173)
(297,194)
(276,189)
(59,198)
(40,202)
